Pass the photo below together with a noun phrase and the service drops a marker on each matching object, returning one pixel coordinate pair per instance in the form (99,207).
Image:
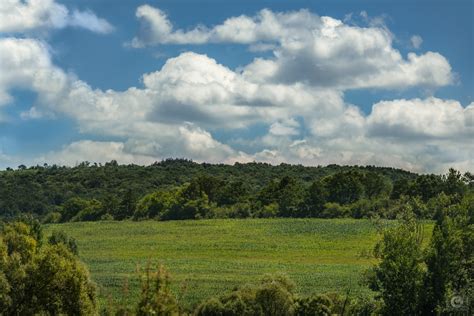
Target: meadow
(210,257)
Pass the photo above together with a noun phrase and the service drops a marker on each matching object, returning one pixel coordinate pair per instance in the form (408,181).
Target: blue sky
(340,89)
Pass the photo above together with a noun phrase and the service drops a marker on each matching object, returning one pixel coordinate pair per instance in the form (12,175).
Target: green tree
(376,185)
(41,279)
(156,204)
(72,207)
(453,183)
(344,187)
(320,305)
(126,207)
(93,211)
(316,197)
(399,275)
(60,284)
(290,198)
(450,258)
(426,186)
(60,237)
(232,193)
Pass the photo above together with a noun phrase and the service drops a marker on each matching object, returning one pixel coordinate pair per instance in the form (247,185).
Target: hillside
(182,189)
(210,257)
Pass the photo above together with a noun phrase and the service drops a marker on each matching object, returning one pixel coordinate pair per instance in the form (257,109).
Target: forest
(182,189)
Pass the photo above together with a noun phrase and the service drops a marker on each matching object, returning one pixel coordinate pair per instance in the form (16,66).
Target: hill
(42,189)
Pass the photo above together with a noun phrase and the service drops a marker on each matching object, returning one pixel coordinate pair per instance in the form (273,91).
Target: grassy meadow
(209,257)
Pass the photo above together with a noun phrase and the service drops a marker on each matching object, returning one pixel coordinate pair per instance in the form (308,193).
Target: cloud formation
(319,51)
(25,16)
(296,97)
(422,119)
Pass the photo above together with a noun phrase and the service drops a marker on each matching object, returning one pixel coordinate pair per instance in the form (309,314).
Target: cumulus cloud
(92,151)
(156,28)
(319,51)
(139,115)
(180,108)
(287,127)
(24,16)
(194,142)
(26,63)
(415,119)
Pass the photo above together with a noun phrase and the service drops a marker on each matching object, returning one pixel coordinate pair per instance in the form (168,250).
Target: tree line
(182,189)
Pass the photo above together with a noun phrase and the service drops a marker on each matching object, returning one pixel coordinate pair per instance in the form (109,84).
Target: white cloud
(182,106)
(265,26)
(89,21)
(24,16)
(319,51)
(156,28)
(287,127)
(415,119)
(26,63)
(416,41)
(92,151)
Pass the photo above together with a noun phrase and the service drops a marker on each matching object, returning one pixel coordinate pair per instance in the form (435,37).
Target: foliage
(313,305)
(41,279)
(411,281)
(275,295)
(156,297)
(182,189)
(272,297)
(400,273)
(450,259)
(90,192)
(59,237)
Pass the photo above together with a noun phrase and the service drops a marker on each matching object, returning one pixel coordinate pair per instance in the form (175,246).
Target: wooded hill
(179,189)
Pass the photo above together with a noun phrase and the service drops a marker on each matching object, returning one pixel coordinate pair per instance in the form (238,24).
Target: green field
(209,257)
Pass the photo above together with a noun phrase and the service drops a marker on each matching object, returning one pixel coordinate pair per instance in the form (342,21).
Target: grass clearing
(210,257)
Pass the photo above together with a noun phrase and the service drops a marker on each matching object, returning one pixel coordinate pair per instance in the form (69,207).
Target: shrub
(313,305)
(59,237)
(52,218)
(41,279)
(334,210)
(156,297)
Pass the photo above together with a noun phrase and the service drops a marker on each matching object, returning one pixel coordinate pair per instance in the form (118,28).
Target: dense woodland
(182,189)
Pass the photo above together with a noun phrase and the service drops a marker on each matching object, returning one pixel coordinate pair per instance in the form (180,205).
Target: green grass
(209,257)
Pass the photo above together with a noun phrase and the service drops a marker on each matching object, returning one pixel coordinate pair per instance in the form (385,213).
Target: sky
(385,83)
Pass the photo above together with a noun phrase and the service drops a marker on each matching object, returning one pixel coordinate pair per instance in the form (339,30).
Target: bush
(268,211)
(59,237)
(52,218)
(156,297)
(41,279)
(334,210)
(313,305)
(273,296)
(92,212)
(106,217)
(212,307)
